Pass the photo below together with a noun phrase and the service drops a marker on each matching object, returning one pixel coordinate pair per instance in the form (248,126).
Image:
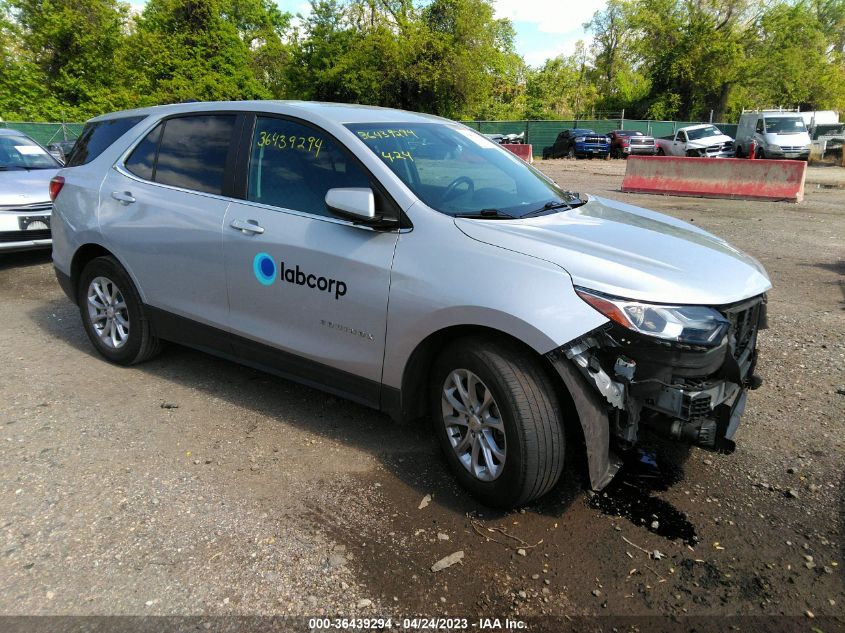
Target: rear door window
(193,152)
(97,137)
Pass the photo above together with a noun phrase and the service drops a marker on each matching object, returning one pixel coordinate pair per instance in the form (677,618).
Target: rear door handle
(123,196)
(247,226)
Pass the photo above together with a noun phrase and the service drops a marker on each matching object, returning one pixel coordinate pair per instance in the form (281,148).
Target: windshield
(20,152)
(703,132)
(785,125)
(457,171)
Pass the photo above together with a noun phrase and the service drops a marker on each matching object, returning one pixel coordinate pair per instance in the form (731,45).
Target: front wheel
(660,152)
(113,314)
(497,419)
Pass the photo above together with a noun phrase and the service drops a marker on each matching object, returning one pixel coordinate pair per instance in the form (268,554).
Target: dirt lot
(190,485)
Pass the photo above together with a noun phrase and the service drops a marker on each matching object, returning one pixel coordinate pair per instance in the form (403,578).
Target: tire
(660,152)
(738,151)
(570,153)
(528,433)
(105,288)
(760,153)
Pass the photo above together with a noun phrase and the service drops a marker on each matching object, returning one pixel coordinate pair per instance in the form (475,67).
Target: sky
(544,28)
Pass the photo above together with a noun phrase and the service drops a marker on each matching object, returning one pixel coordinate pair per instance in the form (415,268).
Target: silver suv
(408,263)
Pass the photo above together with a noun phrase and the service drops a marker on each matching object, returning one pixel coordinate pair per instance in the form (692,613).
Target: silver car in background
(26,169)
(410,264)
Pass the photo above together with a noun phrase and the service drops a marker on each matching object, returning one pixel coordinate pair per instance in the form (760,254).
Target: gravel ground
(189,485)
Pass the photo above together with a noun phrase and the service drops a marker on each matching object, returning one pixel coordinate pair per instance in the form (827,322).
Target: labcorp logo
(266,271)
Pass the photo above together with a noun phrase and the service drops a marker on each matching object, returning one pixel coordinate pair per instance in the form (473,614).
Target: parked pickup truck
(578,143)
(704,140)
(624,143)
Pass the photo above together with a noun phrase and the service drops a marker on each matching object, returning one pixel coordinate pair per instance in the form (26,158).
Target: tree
(66,57)
(450,57)
(690,51)
(561,88)
(618,82)
(190,49)
(794,61)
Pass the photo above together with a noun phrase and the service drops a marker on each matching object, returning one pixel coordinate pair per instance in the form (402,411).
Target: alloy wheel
(108,312)
(474,425)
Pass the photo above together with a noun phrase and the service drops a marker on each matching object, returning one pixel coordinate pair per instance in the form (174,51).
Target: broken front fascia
(690,393)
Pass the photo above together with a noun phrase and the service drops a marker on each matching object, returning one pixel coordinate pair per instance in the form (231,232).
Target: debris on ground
(448,561)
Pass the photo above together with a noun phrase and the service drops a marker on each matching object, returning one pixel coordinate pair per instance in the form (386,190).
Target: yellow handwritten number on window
(391,156)
(275,140)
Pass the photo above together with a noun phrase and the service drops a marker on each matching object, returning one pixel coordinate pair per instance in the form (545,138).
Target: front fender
(602,462)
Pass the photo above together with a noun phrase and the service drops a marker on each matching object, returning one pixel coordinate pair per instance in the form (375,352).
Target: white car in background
(25,207)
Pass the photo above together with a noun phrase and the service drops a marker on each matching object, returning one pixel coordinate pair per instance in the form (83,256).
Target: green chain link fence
(543,133)
(46,133)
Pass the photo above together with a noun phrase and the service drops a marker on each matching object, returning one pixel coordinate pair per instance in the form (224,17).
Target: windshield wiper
(551,205)
(486,214)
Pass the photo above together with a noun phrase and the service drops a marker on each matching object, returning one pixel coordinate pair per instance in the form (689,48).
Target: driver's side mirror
(356,203)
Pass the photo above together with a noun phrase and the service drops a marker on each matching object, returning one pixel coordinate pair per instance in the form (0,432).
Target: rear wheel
(497,419)
(113,314)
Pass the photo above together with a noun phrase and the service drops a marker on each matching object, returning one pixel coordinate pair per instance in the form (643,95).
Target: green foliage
(194,49)
(449,57)
(663,59)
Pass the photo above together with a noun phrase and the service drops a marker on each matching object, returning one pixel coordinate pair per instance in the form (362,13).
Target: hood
(630,252)
(710,140)
(22,187)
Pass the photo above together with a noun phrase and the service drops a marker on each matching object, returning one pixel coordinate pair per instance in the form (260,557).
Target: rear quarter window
(97,137)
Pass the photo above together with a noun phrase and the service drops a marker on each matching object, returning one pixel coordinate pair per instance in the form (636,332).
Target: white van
(775,134)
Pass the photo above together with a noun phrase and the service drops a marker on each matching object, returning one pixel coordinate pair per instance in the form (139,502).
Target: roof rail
(761,110)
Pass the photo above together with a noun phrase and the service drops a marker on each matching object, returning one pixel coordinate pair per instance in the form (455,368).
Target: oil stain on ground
(630,495)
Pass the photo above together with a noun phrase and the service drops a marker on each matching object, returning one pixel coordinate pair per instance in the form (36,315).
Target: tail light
(56,185)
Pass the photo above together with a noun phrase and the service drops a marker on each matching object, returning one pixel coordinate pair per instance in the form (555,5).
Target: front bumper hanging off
(688,393)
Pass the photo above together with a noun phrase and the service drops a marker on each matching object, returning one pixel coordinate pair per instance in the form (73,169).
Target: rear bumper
(66,284)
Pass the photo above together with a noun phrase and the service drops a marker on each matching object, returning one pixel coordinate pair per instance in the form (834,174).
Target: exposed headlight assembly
(697,325)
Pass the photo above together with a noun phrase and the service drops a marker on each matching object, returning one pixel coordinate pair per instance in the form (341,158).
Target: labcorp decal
(266,271)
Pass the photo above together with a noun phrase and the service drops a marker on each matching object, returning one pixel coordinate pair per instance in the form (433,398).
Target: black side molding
(205,338)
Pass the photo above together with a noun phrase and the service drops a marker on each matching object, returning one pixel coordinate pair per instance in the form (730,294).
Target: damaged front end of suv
(681,371)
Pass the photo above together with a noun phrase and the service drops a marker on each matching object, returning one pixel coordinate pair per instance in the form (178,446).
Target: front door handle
(247,226)
(125,197)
